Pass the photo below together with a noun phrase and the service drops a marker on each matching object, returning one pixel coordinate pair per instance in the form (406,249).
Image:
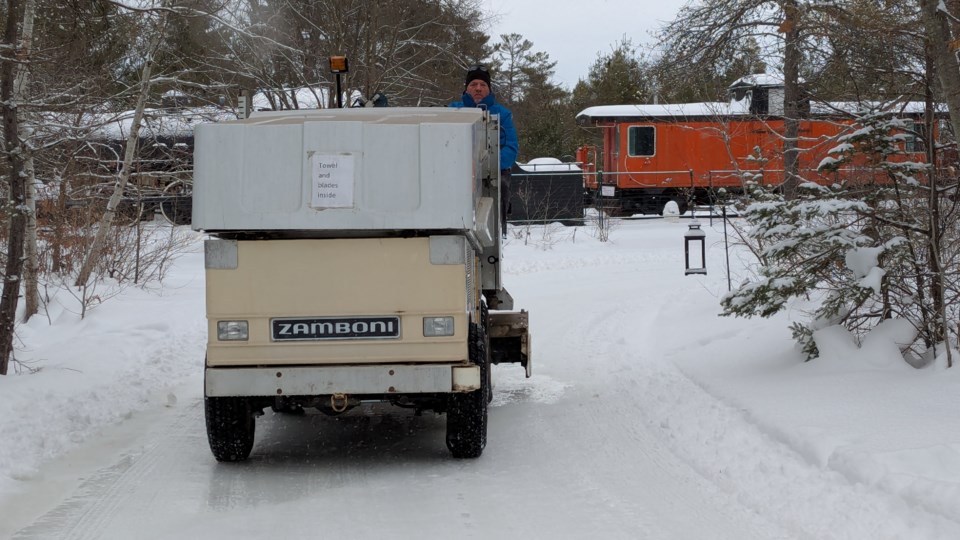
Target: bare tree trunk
(106,222)
(31,269)
(791,99)
(60,225)
(939,37)
(31,292)
(937,270)
(938,33)
(11,139)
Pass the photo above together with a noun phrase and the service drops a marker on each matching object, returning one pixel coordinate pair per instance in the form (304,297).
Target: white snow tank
(360,170)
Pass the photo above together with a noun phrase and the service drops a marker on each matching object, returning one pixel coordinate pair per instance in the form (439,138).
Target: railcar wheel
(467,412)
(682,205)
(177,209)
(230,427)
(617,212)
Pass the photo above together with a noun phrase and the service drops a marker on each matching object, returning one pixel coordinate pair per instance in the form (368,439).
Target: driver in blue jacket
(478,92)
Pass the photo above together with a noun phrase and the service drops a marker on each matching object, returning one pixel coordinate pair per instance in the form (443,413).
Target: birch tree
(123,177)
(53,35)
(31,263)
(12,149)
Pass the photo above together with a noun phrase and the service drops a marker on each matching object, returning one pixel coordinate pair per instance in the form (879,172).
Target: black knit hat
(478,72)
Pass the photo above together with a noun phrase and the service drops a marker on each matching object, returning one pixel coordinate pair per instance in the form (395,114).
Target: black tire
(230,427)
(467,412)
(485,322)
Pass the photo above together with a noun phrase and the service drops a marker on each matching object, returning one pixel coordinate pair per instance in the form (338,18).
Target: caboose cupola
(763,94)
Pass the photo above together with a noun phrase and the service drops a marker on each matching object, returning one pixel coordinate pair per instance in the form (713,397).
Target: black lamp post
(338,65)
(694,235)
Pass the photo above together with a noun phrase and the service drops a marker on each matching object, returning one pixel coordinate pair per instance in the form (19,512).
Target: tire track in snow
(68,418)
(764,474)
(623,398)
(611,460)
(105,497)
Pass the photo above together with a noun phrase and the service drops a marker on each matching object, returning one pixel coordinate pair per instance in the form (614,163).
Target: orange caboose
(653,154)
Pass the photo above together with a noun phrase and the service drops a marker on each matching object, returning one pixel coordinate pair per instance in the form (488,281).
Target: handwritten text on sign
(332,181)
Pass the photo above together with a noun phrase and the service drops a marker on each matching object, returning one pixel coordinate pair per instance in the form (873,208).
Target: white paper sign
(333,180)
(607,191)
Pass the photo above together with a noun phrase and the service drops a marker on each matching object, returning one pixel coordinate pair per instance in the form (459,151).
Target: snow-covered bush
(878,244)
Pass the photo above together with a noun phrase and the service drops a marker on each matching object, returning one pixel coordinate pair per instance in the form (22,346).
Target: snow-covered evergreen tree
(873,246)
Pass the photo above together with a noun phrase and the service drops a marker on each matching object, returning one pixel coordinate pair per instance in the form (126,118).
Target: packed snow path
(609,439)
(556,473)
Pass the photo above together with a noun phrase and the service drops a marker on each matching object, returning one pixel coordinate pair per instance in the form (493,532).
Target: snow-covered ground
(644,404)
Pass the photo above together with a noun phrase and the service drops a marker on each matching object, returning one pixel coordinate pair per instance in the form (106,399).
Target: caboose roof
(714,110)
(678,110)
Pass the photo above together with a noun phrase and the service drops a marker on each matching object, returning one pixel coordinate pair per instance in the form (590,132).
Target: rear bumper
(328,380)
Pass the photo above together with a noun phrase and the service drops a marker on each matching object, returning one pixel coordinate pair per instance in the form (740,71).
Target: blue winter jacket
(509,146)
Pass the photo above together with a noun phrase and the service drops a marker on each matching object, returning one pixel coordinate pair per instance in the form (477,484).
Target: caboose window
(642,141)
(915,141)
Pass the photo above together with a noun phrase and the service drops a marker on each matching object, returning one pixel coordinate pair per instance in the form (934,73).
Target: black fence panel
(545,197)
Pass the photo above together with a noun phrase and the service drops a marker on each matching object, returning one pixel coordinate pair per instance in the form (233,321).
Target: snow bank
(99,370)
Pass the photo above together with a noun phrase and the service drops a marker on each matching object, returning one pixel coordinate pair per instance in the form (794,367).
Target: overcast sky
(572,32)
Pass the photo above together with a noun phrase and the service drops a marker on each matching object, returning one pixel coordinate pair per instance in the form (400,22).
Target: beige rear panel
(336,278)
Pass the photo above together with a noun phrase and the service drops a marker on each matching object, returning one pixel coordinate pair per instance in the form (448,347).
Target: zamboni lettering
(381,326)
(322,328)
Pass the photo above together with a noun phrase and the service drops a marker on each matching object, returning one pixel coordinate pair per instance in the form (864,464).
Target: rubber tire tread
(485,321)
(467,412)
(231,427)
